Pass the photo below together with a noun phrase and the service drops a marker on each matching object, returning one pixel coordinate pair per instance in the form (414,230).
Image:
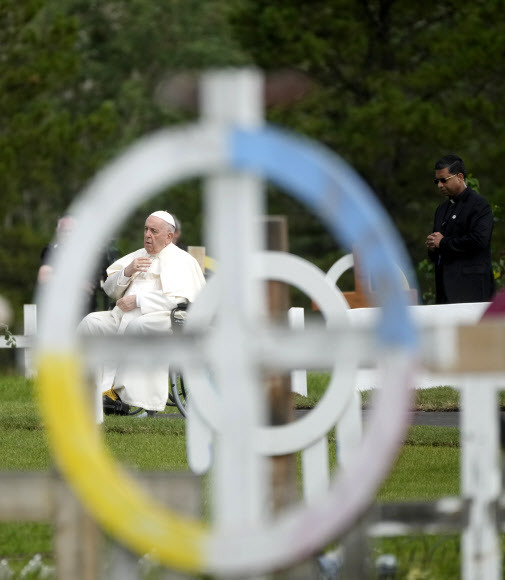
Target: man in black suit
(460,245)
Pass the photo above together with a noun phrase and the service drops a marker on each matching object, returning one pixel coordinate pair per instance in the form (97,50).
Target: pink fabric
(497,307)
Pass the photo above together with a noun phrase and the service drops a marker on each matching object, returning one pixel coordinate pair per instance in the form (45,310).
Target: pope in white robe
(147,285)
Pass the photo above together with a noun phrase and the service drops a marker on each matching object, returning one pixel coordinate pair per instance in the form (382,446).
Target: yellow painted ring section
(114,499)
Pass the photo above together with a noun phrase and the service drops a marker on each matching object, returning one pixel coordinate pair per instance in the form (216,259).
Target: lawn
(427,467)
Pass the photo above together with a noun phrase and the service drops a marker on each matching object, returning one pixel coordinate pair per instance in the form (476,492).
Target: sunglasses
(443,179)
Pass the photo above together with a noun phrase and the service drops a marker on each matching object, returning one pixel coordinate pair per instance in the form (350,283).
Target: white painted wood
(438,324)
(234,204)
(315,470)
(26,496)
(30,319)
(77,538)
(30,329)
(78,543)
(25,341)
(296,318)
(21,342)
(341,355)
(346,263)
(425,316)
(199,441)
(349,431)
(480,478)
(339,267)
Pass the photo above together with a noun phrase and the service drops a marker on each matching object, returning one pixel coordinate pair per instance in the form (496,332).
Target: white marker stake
(234,204)
(296,319)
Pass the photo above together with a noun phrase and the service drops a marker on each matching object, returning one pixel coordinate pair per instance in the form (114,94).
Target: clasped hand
(433,240)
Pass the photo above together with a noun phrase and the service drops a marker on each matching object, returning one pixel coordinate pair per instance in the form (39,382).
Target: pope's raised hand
(138,265)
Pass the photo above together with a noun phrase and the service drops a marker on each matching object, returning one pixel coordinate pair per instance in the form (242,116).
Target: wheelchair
(176,390)
(177,393)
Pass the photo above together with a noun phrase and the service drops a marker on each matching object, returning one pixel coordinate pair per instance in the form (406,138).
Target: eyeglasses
(443,179)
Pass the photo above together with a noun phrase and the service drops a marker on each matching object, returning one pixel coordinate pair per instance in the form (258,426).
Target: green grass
(428,436)
(143,444)
(427,467)
(23,445)
(422,557)
(441,398)
(423,472)
(316,386)
(147,444)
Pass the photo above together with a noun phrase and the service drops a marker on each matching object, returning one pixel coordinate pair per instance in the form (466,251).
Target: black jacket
(463,261)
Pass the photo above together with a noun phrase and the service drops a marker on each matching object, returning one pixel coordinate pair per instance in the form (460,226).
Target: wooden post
(479,358)
(362,287)
(277,240)
(25,496)
(198,253)
(284,489)
(77,539)
(279,386)
(179,491)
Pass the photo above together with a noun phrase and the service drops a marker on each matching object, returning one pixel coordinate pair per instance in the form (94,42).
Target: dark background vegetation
(395,85)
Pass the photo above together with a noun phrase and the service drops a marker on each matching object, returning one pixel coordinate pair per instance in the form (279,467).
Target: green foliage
(10,339)
(426,278)
(499,271)
(473,182)
(19,254)
(391,94)
(80,81)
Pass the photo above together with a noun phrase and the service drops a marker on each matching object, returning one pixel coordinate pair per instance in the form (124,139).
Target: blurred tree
(399,85)
(77,85)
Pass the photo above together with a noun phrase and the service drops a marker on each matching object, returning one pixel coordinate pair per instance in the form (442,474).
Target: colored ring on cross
(336,194)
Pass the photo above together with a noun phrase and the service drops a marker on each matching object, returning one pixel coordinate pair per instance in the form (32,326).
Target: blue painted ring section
(345,204)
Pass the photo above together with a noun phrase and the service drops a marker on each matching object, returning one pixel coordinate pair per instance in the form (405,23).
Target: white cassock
(173,277)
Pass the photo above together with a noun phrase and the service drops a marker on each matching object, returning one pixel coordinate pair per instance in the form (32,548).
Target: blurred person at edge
(65,225)
(178,234)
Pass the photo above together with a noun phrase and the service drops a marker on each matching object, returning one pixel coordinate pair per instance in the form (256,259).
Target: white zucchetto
(165,216)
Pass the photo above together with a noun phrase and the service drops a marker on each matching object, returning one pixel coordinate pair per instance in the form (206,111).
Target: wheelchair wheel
(178,392)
